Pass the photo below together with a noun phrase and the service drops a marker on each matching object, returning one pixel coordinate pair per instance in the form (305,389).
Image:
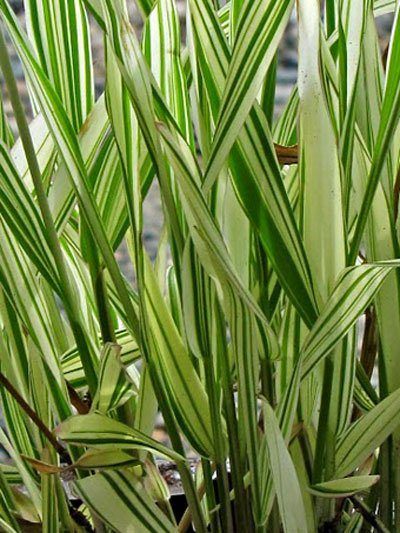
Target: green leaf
(340,488)
(7,505)
(353,291)
(205,233)
(130,61)
(162,48)
(28,481)
(60,34)
(7,527)
(260,29)
(71,363)
(322,212)
(247,323)
(389,120)
(364,436)
(67,142)
(24,219)
(5,130)
(146,6)
(44,150)
(284,476)
(90,460)
(381,7)
(105,459)
(114,387)
(11,474)
(100,432)
(262,193)
(155,483)
(49,499)
(120,500)
(186,391)
(27,302)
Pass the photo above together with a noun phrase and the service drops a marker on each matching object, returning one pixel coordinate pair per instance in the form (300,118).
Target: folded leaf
(71,363)
(114,386)
(100,432)
(340,488)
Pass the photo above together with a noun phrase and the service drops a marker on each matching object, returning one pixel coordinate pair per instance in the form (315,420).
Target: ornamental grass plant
(267,331)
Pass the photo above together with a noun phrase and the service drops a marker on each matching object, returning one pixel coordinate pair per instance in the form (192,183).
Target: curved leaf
(100,432)
(340,488)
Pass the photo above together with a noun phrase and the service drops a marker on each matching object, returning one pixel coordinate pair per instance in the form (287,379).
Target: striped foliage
(109,433)
(339,488)
(114,387)
(59,32)
(122,503)
(264,336)
(26,224)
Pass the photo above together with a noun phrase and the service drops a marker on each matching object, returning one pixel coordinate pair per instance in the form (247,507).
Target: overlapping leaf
(121,502)
(101,432)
